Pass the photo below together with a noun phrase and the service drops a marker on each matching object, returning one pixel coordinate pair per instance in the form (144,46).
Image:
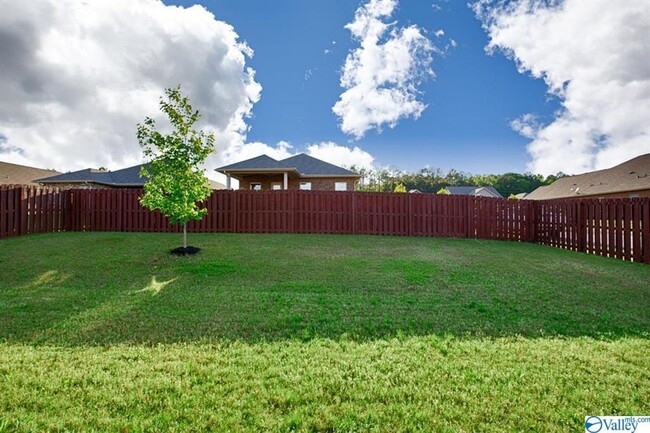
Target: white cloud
(594,57)
(381,77)
(244,151)
(78,76)
(328,151)
(341,155)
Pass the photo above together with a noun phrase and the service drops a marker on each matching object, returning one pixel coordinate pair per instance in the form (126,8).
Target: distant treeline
(432,181)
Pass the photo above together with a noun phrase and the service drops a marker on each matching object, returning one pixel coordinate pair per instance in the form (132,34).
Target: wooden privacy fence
(617,228)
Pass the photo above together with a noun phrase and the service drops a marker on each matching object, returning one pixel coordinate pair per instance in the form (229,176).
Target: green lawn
(106,331)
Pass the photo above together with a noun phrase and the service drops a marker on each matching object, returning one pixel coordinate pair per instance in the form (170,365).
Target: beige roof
(14,174)
(633,175)
(216,185)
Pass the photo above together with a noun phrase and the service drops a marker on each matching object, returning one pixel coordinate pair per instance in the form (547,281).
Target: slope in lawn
(105,288)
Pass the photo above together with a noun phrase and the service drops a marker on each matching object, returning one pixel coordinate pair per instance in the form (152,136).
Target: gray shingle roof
(632,175)
(129,176)
(304,164)
(259,162)
(310,166)
(472,190)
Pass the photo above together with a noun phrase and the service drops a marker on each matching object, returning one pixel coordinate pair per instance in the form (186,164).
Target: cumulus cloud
(382,75)
(244,151)
(328,151)
(78,76)
(594,57)
(341,155)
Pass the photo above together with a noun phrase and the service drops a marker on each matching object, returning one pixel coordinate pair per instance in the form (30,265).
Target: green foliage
(443,191)
(428,180)
(399,188)
(176,184)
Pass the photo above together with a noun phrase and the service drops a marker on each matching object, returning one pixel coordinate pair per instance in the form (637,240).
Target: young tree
(400,187)
(175,182)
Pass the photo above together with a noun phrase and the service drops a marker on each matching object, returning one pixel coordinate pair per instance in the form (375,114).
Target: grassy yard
(106,331)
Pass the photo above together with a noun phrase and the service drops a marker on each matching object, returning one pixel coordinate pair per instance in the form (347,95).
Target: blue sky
(471,100)
(402,83)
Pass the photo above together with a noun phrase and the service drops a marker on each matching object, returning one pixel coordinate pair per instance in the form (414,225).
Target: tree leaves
(175,182)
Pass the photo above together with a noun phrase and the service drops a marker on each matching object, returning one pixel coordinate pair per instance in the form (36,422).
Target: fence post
(532,221)
(410,214)
(24,213)
(470,220)
(353,213)
(581,226)
(19,216)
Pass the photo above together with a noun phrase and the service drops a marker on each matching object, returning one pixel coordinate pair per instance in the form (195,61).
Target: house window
(256,186)
(276,186)
(340,186)
(634,195)
(305,185)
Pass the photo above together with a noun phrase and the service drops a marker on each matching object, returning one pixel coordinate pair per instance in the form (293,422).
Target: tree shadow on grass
(172,309)
(271,288)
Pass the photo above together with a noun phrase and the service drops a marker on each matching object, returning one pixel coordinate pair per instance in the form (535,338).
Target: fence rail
(618,228)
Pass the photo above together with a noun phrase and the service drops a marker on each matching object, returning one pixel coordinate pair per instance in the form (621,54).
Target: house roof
(632,175)
(472,190)
(15,174)
(310,166)
(257,163)
(302,164)
(129,176)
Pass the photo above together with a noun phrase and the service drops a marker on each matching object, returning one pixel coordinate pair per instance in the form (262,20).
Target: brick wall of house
(317,183)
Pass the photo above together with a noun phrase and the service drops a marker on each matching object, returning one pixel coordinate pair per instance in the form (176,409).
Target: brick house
(297,172)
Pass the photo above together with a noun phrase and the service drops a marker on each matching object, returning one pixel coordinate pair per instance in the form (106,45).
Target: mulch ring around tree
(185,251)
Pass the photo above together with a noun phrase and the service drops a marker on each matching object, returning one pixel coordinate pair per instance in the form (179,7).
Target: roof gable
(473,190)
(310,166)
(304,164)
(15,174)
(262,162)
(632,175)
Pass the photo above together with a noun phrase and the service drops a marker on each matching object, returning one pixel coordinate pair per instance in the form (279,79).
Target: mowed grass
(106,331)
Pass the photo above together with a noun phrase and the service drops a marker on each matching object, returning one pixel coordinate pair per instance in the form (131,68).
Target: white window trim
(305,186)
(252,184)
(336,186)
(276,186)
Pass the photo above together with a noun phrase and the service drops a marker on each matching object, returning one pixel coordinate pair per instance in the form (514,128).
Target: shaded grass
(109,288)
(108,332)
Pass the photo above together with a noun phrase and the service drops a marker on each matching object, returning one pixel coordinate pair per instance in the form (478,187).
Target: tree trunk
(185,234)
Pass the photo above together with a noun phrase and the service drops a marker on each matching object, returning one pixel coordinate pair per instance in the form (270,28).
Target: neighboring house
(91,178)
(14,174)
(476,191)
(627,180)
(297,172)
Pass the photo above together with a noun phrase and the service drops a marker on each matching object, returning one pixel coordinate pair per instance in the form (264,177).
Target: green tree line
(433,180)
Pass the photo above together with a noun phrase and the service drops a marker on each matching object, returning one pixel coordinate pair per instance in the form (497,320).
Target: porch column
(286,180)
(227,181)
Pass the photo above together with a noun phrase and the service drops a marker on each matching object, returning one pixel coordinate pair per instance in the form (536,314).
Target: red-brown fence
(618,228)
